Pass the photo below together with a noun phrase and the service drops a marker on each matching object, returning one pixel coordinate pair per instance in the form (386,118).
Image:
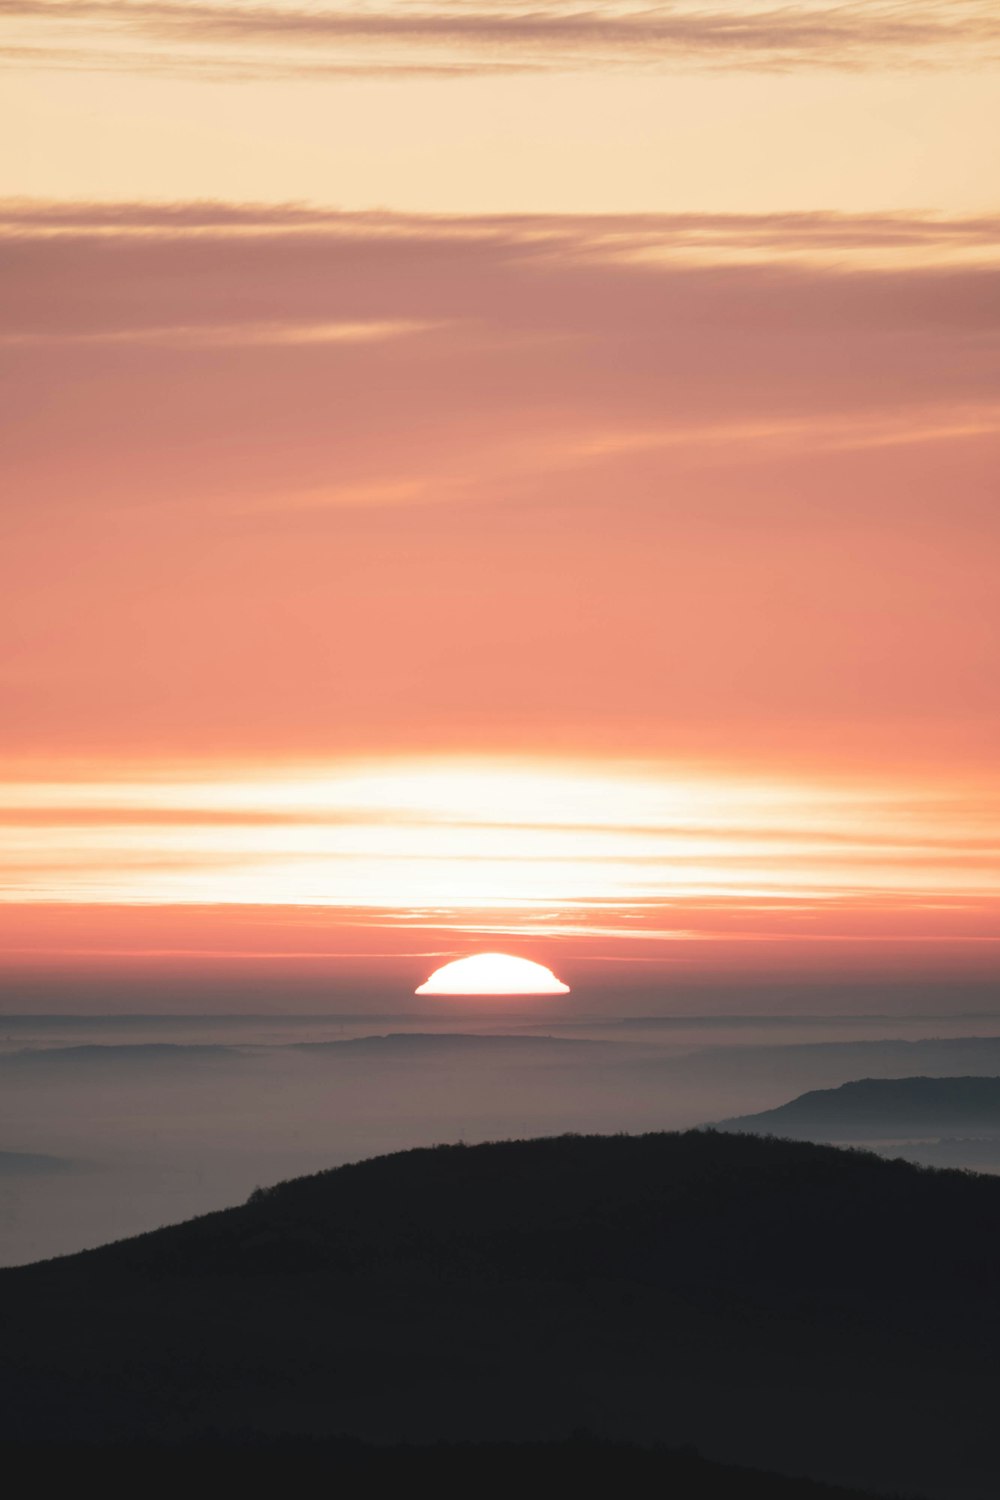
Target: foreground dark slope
(777,1304)
(579,1464)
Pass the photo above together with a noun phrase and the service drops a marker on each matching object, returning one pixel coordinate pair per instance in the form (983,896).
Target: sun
(493,974)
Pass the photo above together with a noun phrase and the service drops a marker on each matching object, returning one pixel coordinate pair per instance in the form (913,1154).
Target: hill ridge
(873,1104)
(783,1306)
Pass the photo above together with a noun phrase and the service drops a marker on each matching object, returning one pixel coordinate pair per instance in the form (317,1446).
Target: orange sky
(574,427)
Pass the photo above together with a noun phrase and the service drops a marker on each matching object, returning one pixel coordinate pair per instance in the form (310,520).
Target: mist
(115,1125)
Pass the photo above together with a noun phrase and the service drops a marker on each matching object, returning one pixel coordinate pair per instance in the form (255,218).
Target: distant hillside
(422,1044)
(30,1164)
(116,1054)
(778,1305)
(884,1108)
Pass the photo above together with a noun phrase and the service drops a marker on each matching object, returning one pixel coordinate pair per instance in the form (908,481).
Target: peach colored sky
(600,402)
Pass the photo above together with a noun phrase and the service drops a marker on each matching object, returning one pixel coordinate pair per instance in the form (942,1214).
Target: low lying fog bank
(111,1127)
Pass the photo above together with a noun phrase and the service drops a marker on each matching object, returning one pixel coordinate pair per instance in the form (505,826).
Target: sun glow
(493,974)
(502,851)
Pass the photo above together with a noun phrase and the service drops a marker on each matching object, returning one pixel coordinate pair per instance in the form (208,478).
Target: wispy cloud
(549,35)
(612,235)
(513,835)
(709,460)
(208,336)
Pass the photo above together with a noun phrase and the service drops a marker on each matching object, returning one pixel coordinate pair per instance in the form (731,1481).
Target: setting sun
(493,974)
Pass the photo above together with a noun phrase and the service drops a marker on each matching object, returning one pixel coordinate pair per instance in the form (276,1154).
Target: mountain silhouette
(778,1305)
(874,1108)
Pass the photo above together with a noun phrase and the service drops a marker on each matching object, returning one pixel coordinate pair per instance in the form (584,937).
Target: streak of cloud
(708,459)
(548,36)
(609,236)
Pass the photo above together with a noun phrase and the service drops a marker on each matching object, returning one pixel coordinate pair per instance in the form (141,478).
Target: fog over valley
(115,1125)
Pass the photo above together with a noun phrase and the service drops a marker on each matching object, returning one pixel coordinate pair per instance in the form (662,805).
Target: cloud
(207,336)
(173,268)
(637,836)
(610,235)
(505,348)
(737,474)
(548,35)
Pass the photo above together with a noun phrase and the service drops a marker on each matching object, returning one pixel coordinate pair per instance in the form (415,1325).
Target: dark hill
(776,1304)
(884,1108)
(488,1471)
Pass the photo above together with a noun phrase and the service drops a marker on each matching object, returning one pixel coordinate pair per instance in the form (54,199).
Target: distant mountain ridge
(403,1044)
(782,1306)
(407,1043)
(873,1108)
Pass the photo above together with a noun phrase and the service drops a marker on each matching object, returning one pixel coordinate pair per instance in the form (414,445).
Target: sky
(497,475)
